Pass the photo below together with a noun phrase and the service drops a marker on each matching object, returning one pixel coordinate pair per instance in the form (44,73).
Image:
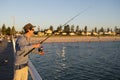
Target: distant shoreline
(77,39)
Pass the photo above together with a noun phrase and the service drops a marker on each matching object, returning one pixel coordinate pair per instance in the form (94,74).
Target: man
(22,47)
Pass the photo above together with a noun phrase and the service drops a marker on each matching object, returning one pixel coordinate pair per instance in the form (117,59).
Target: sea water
(79,61)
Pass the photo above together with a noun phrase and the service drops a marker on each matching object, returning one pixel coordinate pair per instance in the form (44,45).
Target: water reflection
(63,52)
(61,61)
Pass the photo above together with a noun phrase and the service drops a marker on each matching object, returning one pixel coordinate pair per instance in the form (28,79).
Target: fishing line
(77,15)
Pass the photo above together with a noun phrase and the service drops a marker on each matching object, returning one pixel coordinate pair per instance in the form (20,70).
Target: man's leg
(21,74)
(25,73)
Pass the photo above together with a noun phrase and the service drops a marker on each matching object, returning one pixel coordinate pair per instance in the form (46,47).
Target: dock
(6,60)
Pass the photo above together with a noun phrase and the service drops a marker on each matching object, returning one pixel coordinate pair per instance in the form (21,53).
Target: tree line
(76,29)
(60,29)
(7,30)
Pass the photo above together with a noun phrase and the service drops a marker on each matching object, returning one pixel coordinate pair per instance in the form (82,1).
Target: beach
(77,39)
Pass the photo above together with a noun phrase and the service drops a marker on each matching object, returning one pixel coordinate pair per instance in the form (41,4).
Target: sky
(43,13)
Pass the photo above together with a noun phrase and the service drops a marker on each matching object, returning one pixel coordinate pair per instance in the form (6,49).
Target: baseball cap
(28,26)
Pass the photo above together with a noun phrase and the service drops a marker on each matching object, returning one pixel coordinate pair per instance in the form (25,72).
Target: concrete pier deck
(6,60)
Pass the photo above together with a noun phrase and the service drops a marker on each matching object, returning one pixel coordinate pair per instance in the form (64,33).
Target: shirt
(22,47)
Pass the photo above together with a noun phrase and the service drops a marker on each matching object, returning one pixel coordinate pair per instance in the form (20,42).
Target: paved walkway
(6,61)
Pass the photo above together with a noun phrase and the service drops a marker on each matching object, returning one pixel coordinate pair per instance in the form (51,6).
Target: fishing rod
(40,43)
(76,15)
(63,25)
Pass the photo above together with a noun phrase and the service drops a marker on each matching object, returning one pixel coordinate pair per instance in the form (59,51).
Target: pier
(6,60)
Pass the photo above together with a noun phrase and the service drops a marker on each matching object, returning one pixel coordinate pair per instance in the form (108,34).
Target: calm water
(79,61)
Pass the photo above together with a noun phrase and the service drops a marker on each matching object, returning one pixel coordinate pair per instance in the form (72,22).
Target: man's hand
(41,53)
(36,45)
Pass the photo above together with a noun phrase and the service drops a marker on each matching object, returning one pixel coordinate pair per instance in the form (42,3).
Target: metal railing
(33,72)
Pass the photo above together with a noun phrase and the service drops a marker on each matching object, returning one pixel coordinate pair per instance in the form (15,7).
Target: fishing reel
(41,50)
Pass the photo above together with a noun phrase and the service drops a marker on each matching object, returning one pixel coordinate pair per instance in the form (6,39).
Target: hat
(27,27)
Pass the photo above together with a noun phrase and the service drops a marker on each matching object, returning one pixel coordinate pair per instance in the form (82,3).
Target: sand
(77,38)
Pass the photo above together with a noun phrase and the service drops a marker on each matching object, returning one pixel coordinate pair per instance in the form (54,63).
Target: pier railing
(33,72)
